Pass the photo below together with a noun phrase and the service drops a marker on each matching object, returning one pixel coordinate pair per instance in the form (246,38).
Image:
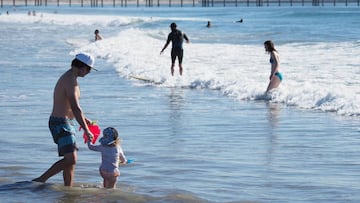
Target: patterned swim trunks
(63,133)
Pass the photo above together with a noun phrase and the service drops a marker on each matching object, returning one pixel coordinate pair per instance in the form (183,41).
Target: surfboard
(147,80)
(77,42)
(141,78)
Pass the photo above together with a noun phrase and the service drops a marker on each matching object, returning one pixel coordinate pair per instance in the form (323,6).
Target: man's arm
(166,44)
(73,94)
(186,38)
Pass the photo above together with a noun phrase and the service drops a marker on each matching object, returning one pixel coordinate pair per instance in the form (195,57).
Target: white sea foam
(317,75)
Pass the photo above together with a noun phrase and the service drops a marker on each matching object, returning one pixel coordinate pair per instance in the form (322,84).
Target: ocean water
(208,136)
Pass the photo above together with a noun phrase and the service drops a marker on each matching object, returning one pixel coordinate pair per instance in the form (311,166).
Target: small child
(111,155)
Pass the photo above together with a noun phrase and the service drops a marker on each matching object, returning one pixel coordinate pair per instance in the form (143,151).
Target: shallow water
(206,137)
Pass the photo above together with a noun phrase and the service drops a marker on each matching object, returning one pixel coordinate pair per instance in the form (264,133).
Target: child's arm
(92,147)
(122,157)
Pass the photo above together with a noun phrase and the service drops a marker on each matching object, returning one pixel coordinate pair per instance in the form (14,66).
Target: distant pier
(178,3)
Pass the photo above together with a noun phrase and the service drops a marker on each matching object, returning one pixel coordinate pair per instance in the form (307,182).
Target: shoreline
(180,3)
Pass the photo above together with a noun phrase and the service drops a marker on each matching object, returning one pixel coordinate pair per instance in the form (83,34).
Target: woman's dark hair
(269,46)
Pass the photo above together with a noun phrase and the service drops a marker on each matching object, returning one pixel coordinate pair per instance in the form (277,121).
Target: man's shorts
(177,52)
(63,133)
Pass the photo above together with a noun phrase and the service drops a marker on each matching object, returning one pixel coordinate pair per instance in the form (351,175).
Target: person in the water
(176,37)
(275,74)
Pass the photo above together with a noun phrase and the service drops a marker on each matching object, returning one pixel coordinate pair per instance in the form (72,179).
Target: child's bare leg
(110,182)
(104,183)
(109,179)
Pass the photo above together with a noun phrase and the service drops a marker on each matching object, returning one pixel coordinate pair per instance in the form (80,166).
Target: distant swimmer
(97,35)
(239,21)
(177,39)
(275,75)
(208,24)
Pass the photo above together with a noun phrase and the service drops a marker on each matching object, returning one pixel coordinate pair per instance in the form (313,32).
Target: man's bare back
(66,92)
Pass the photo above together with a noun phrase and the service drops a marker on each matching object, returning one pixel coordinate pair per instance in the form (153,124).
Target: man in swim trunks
(176,37)
(66,107)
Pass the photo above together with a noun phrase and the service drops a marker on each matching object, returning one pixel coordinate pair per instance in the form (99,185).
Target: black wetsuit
(177,38)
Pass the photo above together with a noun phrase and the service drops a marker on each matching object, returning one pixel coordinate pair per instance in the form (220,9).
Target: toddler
(111,155)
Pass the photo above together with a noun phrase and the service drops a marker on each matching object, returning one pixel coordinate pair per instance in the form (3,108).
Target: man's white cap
(87,59)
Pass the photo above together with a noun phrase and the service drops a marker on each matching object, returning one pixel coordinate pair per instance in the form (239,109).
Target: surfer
(176,37)
(208,25)
(97,35)
(275,75)
(66,107)
(111,154)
